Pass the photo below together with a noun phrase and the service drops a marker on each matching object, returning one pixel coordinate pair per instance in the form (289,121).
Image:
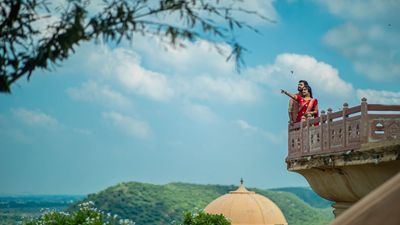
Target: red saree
(305,105)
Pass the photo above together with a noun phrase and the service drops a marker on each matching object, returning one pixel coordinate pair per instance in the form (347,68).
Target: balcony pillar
(328,121)
(321,127)
(364,121)
(344,115)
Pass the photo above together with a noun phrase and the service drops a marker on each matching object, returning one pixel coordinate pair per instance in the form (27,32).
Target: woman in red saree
(308,106)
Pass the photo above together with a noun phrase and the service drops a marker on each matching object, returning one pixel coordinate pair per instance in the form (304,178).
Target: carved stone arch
(393,130)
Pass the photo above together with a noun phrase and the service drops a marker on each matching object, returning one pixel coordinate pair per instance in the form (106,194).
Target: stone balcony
(345,155)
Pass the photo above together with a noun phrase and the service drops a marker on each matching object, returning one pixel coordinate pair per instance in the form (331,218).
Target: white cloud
(91,91)
(225,88)
(379,97)
(248,128)
(197,58)
(35,118)
(181,76)
(245,125)
(230,89)
(369,36)
(369,10)
(372,50)
(124,66)
(213,79)
(200,112)
(199,71)
(174,73)
(322,77)
(128,125)
(156,75)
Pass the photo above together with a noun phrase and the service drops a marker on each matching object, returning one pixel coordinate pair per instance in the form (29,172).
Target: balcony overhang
(370,153)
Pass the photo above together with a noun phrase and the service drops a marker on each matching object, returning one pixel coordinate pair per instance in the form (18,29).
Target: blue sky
(138,112)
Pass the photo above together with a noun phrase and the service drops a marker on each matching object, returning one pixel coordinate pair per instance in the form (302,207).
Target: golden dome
(245,207)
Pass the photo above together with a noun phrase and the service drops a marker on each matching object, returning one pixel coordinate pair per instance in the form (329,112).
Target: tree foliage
(202,218)
(30,41)
(86,214)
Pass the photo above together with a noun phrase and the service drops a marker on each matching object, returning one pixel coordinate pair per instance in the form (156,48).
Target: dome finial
(242,189)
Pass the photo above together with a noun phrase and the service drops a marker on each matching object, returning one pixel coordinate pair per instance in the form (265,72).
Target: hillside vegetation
(14,209)
(149,204)
(307,195)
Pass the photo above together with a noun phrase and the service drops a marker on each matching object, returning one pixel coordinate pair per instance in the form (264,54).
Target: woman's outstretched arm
(293,96)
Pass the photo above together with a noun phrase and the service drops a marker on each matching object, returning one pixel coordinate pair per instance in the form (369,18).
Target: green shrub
(86,214)
(202,218)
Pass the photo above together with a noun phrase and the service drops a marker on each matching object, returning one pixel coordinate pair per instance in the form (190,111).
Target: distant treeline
(38,201)
(15,208)
(31,204)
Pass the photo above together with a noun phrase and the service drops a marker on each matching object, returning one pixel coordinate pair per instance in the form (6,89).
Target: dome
(245,207)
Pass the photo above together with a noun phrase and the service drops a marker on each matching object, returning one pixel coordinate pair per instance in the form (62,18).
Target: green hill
(307,195)
(149,204)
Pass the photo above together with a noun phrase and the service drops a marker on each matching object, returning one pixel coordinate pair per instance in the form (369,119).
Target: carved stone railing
(344,130)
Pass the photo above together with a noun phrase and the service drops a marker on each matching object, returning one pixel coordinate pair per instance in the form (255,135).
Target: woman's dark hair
(309,90)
